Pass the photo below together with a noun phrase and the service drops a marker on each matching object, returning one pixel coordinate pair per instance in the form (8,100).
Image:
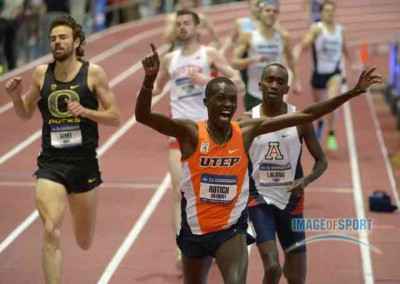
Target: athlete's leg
(295,268)
(333,86)
(270,258)
(51,199)
(319,95)
(195,270)
(232,259)
(84,212)
(332,89)
(175,169)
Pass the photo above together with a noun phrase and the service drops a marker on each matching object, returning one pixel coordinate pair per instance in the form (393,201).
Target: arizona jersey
(272,48)
(214,183)
(63,133)
(327,49)
(274,164)
(186,99)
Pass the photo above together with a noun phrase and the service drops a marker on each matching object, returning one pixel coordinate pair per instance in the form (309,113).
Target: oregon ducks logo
(57,105)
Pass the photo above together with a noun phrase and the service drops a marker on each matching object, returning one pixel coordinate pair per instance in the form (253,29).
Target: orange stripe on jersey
(214,190)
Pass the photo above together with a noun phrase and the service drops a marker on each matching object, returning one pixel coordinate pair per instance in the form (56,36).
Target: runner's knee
(52,235)
(273,270)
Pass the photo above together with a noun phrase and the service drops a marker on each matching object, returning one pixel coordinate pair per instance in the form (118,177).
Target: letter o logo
(56,104)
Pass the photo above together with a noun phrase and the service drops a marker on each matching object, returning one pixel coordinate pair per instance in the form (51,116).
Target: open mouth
(273,95)
(225,114)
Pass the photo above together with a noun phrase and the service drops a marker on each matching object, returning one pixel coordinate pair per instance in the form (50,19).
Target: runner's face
(274,84)
(268,15)
(328,13)
(222,104)
(62,43)
(185,27)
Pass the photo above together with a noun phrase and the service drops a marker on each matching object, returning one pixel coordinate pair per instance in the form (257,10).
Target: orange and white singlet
(214,183)
(186,99)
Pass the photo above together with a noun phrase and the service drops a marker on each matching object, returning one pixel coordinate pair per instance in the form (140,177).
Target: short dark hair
(77,31)
(277,65)
(196,17)
(213,86)
(326,2)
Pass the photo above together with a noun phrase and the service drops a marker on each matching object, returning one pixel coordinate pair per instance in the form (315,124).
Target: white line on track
(111,141)
(384,151)
(135,231)
(115,81)
(358,196)
(105,54)
(100,57)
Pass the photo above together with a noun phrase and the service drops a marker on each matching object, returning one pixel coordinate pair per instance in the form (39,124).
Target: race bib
(66,136)
(331,50)
(276,175)
(186,89)
(218,188)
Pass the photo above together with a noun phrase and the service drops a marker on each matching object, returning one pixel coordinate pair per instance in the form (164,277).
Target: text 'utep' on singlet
(214,195)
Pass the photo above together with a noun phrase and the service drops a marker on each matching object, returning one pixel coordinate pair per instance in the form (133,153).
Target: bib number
(276,175)
(66,136)
(218,188)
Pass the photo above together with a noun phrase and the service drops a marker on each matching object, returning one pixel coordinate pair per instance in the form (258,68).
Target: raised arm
(260,126)
(170,28)
(24,106)
(210,28)
(290,61)
(178,128)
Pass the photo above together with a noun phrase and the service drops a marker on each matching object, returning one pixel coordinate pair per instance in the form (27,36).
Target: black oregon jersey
(62,133)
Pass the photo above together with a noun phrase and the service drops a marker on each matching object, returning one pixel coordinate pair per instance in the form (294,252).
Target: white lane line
(358,196)
(115,81)
(384,151)
(17,231)
(100,57)
(14,151)
(135,231)
(107,145)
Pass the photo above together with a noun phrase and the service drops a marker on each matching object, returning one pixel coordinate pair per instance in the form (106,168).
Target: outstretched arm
(315,110)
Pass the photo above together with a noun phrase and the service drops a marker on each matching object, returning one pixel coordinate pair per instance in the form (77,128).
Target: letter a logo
(274,153)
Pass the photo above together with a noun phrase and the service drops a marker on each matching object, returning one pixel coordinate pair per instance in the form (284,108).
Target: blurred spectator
(149,8)
(9,20)
(53,9)
(29,32)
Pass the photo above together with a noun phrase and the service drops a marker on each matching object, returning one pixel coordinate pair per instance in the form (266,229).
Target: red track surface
(138,159)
